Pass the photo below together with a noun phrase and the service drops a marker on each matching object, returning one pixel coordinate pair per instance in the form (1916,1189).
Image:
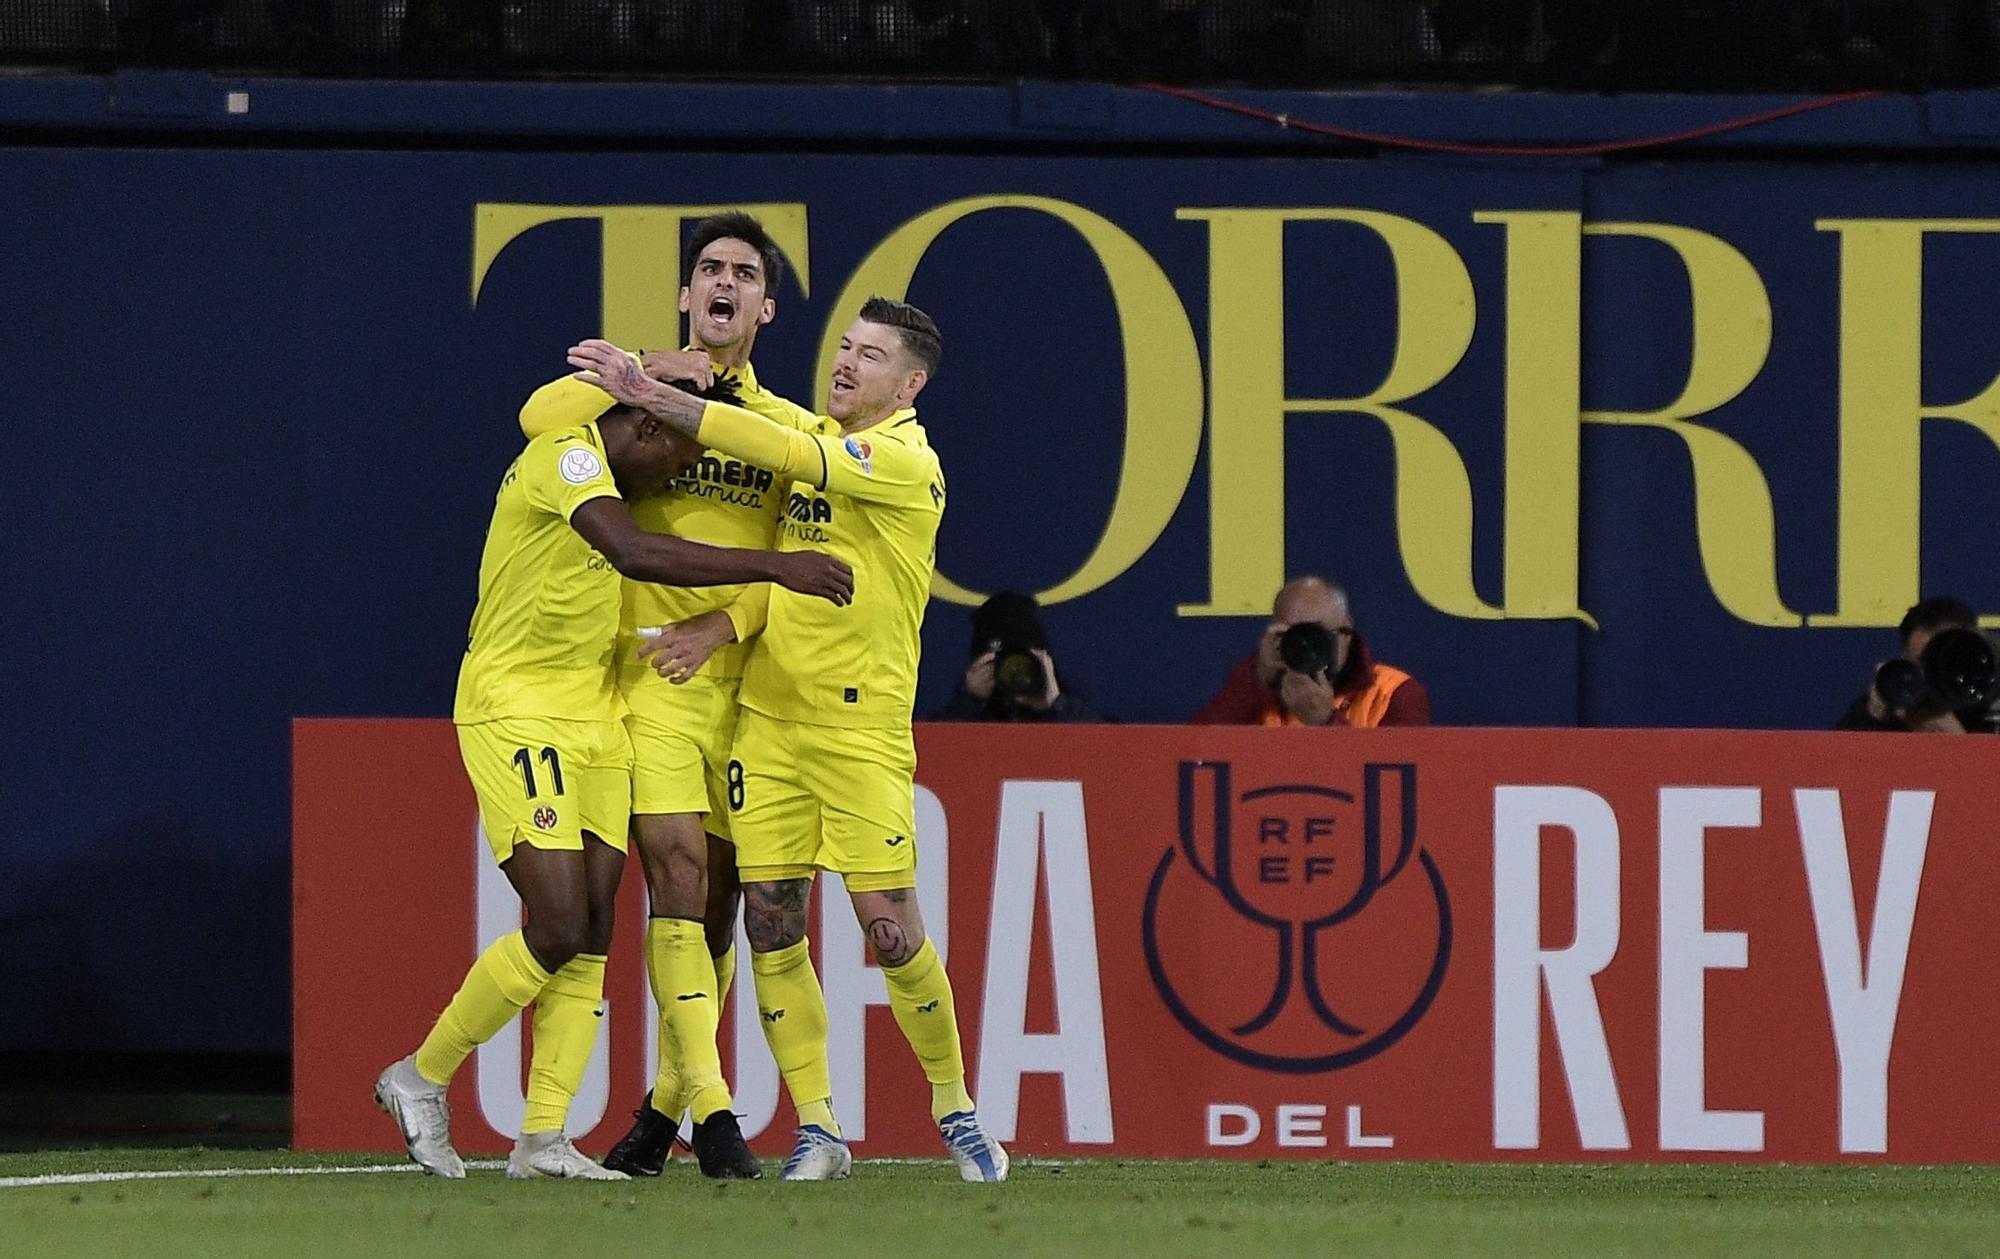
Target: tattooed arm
(619,374)
(792,455)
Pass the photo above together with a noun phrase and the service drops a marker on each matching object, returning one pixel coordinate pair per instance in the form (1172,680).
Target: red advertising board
(1426,944)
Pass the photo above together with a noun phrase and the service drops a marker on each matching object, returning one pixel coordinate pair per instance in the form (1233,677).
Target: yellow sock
(504,979)
(920,995)
(725,975)
(565,1029)
(669,1095)
(793,1011)
(683,984)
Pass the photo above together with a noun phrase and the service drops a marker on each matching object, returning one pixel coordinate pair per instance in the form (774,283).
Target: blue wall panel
(260,419)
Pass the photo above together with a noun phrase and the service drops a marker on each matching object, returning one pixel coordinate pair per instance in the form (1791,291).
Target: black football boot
(719,1147)
(643,1151)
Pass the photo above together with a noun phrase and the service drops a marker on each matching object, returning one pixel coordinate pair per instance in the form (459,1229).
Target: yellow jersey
(546,625)
(876,502)
(723,501)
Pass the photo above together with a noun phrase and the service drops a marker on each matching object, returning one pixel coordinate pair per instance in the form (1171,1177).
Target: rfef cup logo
(1287,909)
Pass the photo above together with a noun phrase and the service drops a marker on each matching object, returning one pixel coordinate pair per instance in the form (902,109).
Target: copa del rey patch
(579,465)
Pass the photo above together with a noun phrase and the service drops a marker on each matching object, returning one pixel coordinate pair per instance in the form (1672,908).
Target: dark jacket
(965,706)
(1857,717)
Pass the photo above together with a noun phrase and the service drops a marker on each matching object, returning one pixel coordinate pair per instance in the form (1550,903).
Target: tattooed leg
(774,914)
(893,924)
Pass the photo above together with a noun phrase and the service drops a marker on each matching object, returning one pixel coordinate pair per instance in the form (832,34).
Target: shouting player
(538,727)
(821,772)
(681,720)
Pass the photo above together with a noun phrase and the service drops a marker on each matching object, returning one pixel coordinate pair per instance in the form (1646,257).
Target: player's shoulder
(902,429)
(574,454)
(558,439)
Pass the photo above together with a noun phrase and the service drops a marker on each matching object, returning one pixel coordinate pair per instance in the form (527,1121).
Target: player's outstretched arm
(569,401)
(828,463)
(616,372)
(607,524)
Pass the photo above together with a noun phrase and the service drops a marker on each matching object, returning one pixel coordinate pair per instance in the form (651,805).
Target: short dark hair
(919,331)
(1937,612)
(735,225)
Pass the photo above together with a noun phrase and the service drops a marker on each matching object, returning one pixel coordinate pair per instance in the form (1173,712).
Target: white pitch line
(373,1169)
(222,1173)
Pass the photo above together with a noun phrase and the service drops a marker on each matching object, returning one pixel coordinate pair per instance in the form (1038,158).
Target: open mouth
(722,309)
(842,386)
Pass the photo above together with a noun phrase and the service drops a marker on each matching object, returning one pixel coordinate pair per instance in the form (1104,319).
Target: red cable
(1508,150)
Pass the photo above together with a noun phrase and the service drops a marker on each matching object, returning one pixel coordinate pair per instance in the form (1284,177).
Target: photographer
(1311,669)
(1943,683)
(1012,677)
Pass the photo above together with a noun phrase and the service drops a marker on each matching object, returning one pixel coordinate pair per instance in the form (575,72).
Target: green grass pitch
(1087,1208)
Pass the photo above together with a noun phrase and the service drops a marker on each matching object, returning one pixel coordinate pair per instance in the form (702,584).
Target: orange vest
(1361,707)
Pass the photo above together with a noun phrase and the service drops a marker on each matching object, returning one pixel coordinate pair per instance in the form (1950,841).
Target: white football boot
(979,1157)
(818,1155)
(419,1109)
(549,1155)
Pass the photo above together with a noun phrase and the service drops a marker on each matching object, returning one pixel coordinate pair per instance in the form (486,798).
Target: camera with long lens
(1017,670)
(1306,648)
(1956,673)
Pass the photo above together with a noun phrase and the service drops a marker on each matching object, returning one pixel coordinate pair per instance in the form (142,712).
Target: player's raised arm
(607,524)
(563,403)
(827,462)
(567,401)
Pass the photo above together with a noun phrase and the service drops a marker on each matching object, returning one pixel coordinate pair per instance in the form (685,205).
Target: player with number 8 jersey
(824,760)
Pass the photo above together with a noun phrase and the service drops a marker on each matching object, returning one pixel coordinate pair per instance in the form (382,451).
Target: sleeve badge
(580,466)
(863,453)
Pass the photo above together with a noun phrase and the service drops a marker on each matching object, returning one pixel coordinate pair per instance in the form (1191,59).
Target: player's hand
(679,651)
(679,365)
(979,677)
(811,573)
(614,371)
(1269,666)
(1307,696)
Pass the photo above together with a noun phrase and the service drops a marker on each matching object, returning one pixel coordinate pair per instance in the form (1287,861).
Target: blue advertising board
(1644,445)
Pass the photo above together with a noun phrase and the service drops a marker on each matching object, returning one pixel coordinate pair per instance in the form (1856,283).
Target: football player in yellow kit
(539,728)
(682,719)
(821,771)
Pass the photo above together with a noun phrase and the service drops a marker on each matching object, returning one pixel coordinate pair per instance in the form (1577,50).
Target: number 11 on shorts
(524,760)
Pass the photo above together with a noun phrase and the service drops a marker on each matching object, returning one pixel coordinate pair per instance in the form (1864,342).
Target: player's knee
(556,938)
(893,943)
(686,868)
(677,887)
(774,914)
(770,935)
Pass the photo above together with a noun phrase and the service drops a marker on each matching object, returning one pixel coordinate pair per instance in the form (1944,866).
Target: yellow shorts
(680,743)
(545,782)
(805,797)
